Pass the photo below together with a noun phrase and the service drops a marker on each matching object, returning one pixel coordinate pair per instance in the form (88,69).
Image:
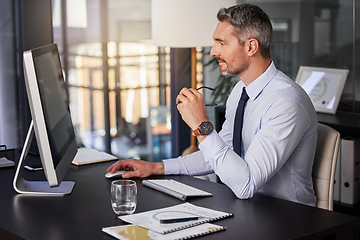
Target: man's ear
(253,46)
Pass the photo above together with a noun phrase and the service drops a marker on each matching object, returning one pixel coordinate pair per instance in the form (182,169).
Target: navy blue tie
(239,122)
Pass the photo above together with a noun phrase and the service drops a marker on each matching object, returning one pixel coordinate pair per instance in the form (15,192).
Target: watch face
(206,128)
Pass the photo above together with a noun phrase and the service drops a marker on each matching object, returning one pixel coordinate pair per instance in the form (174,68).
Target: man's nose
(213,51)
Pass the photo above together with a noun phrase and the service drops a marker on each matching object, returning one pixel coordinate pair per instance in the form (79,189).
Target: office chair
(326,155)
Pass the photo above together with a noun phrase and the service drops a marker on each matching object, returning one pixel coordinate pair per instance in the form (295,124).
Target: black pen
(177,220)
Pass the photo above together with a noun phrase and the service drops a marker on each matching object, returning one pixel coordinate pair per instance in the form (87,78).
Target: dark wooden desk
(344,122)
(83,213)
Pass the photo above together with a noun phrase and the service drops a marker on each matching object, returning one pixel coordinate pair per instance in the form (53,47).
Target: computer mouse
(115,174)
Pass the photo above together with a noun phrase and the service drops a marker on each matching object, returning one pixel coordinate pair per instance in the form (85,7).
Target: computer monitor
(51,122)
(323,85)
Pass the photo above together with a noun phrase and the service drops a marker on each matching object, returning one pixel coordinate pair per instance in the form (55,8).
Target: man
(278,137)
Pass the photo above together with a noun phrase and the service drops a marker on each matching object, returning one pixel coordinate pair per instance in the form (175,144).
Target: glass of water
(123,196)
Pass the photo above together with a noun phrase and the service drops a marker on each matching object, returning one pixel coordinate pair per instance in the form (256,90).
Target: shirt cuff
(211,146)
(171,166)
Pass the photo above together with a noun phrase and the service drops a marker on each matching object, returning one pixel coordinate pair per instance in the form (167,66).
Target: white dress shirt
(278,142)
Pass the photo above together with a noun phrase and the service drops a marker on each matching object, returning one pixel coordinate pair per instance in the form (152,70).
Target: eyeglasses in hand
(212,89)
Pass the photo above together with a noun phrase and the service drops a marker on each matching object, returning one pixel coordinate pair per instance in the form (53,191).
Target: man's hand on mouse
(139,168)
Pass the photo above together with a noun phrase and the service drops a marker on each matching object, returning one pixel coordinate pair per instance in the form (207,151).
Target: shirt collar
(255,88)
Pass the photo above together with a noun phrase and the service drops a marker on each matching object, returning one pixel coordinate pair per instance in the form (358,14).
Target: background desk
(83,213)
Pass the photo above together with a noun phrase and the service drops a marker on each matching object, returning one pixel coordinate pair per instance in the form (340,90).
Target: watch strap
(196,132)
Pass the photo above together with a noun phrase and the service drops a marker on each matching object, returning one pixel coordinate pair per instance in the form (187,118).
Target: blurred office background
(121,86)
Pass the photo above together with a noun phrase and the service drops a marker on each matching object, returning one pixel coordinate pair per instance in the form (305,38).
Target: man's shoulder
(285,93)
(287,88)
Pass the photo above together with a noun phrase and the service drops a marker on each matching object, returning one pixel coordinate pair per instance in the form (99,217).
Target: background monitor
(323,85)
(51,122)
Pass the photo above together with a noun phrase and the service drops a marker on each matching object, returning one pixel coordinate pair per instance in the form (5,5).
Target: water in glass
(123,196)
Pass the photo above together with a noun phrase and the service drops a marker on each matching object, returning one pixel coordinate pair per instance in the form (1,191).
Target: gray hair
(249,21)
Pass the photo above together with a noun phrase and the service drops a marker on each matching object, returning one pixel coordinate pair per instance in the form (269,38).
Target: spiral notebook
(151,219)
(134,232)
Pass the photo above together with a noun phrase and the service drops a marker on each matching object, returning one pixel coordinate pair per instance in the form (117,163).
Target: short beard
(227,74)
(235,72)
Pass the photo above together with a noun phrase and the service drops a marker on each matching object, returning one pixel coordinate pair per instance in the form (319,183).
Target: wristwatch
(205,128)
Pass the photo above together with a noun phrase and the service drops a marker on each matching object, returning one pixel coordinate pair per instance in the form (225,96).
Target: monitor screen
(323,85)
(51,120)
(55,108)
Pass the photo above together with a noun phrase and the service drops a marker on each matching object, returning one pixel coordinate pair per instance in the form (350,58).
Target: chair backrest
(326,156)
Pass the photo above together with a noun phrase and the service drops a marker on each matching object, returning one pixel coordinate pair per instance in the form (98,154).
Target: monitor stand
(36,187)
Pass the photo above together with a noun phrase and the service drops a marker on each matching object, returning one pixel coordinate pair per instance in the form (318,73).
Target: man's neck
(255,70)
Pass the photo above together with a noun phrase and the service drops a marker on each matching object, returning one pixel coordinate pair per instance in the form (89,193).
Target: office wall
(8,86)
(34,29)
(24,25)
